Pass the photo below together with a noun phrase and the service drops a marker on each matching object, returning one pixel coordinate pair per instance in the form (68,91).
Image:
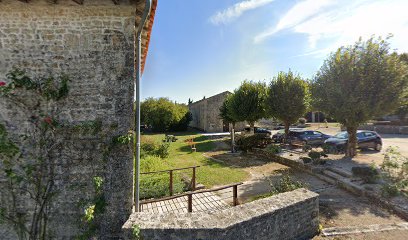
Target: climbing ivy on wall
(28,156)
(27,161)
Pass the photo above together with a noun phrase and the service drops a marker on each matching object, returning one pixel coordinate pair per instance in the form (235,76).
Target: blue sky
(203,47)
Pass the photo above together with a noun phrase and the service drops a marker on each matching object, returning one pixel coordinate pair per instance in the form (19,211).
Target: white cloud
(344,22)
(233,12)
(297,14)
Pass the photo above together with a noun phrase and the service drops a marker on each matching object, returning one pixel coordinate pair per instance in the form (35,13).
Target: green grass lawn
(210,173)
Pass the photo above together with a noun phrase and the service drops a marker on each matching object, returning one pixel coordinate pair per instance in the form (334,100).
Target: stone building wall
(286,216)
(206,114)
(93,44)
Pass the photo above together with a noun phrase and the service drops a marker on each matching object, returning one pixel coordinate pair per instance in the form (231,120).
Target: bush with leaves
(149,147)
(273,148)
(394,172)
(284,184)
(247,143)
(317,157)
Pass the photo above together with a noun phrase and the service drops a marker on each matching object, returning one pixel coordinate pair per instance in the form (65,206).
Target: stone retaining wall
(385,129)
(291,215)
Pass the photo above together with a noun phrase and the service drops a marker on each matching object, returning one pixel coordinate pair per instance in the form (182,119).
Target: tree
(359,82)
(164,115)
(248,103)
(288,98)
(402,110)
(225,114)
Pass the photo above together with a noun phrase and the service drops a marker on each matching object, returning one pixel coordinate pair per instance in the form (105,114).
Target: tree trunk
(286,131)
(233,138)
(251,128)
(351,149)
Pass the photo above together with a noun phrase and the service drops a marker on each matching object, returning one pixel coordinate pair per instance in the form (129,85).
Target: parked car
(279,126)
(307,137)
(279,136)
(260,131)
(365,139)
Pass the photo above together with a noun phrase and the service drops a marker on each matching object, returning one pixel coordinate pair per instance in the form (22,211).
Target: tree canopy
(248,102)
(288,98)
(164,115)
(225,110)
(359,82)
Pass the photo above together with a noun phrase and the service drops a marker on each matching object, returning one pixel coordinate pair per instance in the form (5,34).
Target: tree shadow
(335,204)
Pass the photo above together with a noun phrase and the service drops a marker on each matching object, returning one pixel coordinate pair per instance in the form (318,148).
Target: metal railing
(190,196)
(170,171)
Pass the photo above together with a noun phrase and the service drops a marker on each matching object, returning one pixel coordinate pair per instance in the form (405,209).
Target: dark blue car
(307,137)
(365,139)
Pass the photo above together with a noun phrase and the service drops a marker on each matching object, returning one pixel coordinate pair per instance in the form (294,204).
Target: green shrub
(367,174)
(247,143)
(390,190)
(163,151)
(149,147)
(272,148)
(152,163)
(394,172)
(286,184)
(316,157)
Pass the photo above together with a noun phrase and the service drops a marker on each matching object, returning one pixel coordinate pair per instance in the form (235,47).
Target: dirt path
(337,207)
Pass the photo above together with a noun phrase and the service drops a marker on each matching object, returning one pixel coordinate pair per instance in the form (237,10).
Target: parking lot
(395,140)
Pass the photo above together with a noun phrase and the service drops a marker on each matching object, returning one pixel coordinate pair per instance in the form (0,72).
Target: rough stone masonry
(286,216)
(93,44)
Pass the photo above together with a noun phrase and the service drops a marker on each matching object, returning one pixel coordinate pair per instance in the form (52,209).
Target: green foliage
(247,143)
(123,139)
(29,168)
(157,185)
(284,184)
(7,148)
(359,82)
(394,172)
(273,148)
(367,174)
(288,98)
(164,115)
(50,88)
(89,127)
(136,232)
(225,110)
(163,151)
(93,211)
(149,147)
(317,157)
(248,102)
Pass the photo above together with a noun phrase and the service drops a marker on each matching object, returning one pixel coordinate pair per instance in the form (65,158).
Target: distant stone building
(206,114)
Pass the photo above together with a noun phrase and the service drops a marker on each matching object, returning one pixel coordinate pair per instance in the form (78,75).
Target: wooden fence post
(235,195)
(190,202)
(193,181)
(171,182)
